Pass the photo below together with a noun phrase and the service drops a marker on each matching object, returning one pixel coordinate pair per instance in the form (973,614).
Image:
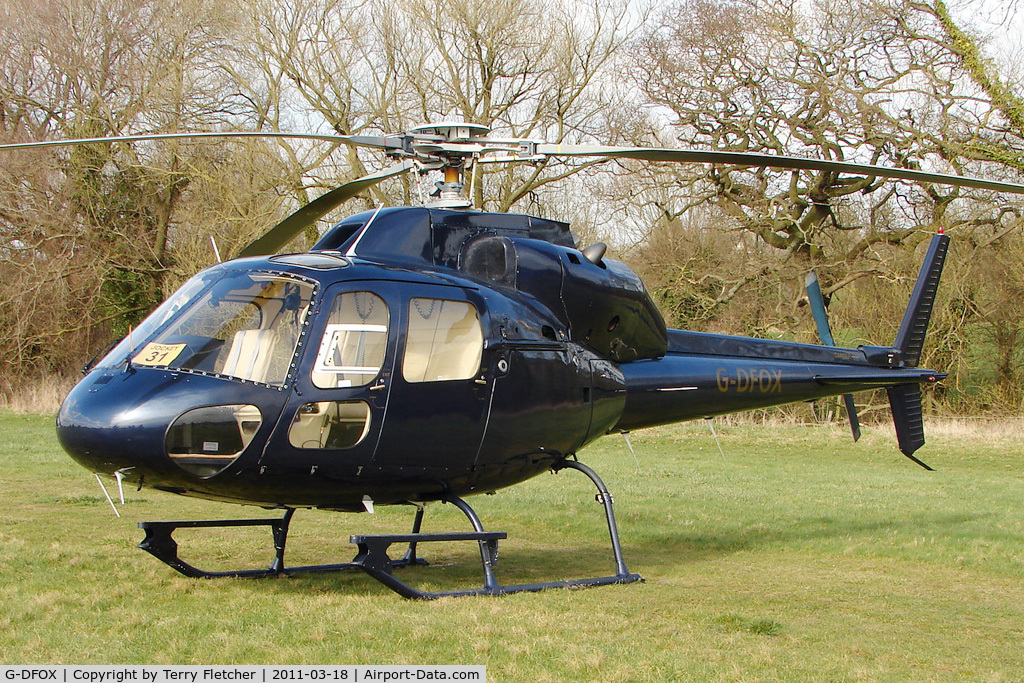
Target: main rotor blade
(770,160)
(177,136)
(288,229)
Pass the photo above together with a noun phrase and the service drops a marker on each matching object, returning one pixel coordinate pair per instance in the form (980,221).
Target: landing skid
(372,556)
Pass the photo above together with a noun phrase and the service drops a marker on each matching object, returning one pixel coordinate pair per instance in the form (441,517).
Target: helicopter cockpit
(301,348)
(232,324)
(246,326)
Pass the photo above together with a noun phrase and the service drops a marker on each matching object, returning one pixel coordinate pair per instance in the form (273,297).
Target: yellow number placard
(158,355)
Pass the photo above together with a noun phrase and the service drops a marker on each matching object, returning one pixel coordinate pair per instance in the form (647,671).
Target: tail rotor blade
(288,229)
(851,412)
(817,303)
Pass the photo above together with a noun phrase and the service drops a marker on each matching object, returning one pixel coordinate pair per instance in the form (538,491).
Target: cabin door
(335,416)
(437,407)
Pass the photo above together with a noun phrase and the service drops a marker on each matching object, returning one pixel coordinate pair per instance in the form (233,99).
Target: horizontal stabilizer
(857,380)
(907,414)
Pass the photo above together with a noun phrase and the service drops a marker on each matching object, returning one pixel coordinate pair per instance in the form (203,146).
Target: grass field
(797,556)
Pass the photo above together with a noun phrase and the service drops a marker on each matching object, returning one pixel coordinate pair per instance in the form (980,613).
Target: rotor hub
(436,142)
(452,131)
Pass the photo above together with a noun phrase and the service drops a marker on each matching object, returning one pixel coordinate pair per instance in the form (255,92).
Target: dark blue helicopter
(432,353)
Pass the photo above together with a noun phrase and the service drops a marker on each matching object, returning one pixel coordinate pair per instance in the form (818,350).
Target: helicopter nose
(106,425)
(168,427)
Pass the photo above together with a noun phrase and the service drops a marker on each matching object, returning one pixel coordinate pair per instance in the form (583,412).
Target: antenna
(352,250)
(711,425)
(107,496)
(629,445)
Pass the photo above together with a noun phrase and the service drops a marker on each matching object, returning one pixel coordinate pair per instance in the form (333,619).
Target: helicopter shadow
(671,548)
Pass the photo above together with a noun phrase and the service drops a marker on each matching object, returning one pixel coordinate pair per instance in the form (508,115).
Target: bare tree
(520,67)
(832,82)
(992,136)
(86,233)
(876,81)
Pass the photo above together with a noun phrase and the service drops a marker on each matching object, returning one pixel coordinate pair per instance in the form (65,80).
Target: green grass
(796,556)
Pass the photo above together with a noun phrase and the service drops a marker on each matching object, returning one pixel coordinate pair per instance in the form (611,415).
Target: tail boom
(686,386)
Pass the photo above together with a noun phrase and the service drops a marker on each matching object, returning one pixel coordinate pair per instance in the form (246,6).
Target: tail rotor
(817,303)
(904,399)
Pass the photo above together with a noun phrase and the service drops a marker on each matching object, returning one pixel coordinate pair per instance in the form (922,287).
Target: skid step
(374,560)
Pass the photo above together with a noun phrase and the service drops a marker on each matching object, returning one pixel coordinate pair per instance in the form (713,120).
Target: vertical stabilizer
(910,338)
(905,399)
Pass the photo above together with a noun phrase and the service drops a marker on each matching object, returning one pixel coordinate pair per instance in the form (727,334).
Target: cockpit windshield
(244,325)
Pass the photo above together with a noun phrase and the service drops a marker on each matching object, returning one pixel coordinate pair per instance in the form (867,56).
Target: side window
(352,349)
(444,341)
(330,424)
